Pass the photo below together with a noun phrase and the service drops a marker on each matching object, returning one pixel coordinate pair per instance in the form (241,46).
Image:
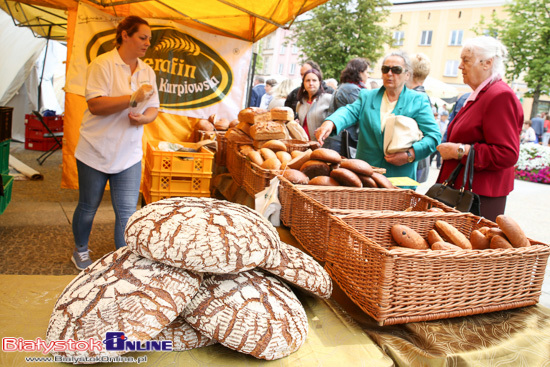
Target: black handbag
(460,199)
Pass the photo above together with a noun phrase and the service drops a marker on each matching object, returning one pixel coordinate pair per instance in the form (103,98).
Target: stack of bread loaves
(196,271)
(209,127)
(326,167)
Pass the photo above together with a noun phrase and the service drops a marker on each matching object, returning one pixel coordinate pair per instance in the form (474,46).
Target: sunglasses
(394,69)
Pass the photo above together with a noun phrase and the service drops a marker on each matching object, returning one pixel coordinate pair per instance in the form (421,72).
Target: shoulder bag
(460,199)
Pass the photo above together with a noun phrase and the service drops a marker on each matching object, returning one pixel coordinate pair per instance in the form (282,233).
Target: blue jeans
(124,197)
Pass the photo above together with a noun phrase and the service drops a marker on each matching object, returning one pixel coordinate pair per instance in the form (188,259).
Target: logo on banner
(116,340)
(189,73)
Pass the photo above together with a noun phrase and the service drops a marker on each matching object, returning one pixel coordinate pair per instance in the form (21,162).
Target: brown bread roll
(382,181)
(326,155)
(284,157)
(272,163)
(358,166)
(204,125)
(491,232)
(500,242)
(244,149)
(453,235)
(234,123)
(435,210)
(442,245)
(275,145)
(299,160)
(295,176)
(267,153)
(296,153)
(513,231)
(367,181)
(345,177)
(408,237)
(255,157)
(434,237)
(323,181)
(479,241)
(213,118)
(314,168)
(222,124)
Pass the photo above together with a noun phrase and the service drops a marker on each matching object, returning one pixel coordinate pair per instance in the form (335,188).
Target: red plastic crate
(31,133)
(43,144)
(53,122)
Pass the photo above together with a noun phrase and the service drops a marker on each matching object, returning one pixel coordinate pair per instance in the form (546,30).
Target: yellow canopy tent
(245,20)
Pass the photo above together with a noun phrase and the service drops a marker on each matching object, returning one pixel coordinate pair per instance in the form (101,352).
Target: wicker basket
(307,209)
(235,162)
(401,286)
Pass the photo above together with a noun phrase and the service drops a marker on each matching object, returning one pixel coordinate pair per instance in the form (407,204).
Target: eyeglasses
(394,69)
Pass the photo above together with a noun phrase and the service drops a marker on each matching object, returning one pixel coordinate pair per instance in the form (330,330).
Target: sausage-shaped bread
(408,237)
(479,241)
(513,231)
(442,245)
(434,237)
(382,181)
(452,235)
(500,242)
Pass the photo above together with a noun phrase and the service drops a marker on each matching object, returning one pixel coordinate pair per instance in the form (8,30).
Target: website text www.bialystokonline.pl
(75,360)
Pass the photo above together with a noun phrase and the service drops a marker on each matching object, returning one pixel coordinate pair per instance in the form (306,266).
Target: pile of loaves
(444,236)
(196,271)
(261,136)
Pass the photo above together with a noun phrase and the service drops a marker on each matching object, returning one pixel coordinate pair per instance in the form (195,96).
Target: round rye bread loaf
(323,181)
(183,336)
(346,177)
(358,166)
(203,234)
(314,168)
(120,292)
(250,312)
(302,270)
(326,155)
(295,176)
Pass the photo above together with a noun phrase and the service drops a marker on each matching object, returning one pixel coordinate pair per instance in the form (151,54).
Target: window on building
(267,62)
(456,38)
(398,38)
(294,49)
(451,68)
(292,69)
(283,49)
(426,38)
(269,42)
(491,33)
(281,68)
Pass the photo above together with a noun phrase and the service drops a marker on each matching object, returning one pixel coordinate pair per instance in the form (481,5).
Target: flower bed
(533,163)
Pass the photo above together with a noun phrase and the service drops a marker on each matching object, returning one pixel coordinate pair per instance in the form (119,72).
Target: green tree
(526,34)
(340,30)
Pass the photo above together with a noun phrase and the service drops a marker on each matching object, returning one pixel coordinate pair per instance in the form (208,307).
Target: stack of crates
(35,131)
(170,174)
(6,182)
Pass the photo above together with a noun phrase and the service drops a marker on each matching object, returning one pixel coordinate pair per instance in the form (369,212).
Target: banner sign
(198,73)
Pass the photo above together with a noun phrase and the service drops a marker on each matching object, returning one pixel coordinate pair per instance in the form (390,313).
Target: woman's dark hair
(302,91)
(130,25)
(352,70)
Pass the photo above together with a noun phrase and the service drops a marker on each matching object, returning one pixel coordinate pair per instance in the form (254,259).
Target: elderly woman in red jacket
(490,121)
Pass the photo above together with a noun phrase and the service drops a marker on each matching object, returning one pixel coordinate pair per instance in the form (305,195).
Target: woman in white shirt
(122,96)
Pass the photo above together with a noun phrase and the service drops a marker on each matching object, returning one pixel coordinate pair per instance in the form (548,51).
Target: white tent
(19,81)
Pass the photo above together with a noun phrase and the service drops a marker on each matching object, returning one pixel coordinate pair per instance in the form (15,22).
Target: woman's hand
(137,119)
(324,131)
(450,150)
(398,159)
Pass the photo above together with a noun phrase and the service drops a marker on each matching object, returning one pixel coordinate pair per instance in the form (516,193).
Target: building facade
(280,56)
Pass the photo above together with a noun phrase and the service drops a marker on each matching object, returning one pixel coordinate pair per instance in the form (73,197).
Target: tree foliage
(341,30)
(526,34)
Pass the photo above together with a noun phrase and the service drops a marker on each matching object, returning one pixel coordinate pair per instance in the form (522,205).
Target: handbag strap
(452,177)
(469,170)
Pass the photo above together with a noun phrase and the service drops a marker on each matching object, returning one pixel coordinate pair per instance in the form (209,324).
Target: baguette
(453,235)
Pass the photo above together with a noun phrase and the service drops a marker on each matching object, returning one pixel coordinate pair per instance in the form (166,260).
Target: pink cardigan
(492,123)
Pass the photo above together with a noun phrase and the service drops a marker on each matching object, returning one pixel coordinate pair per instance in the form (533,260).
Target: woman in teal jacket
(370,111)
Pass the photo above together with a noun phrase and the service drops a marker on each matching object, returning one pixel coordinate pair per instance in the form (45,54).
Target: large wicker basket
(401,286)
(307,210)
(235,162)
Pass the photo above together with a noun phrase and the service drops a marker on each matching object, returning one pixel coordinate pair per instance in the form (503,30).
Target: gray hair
(403,55)
(485,48)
